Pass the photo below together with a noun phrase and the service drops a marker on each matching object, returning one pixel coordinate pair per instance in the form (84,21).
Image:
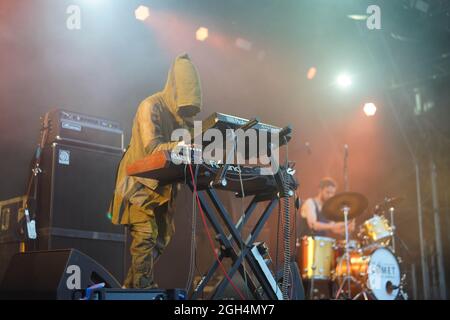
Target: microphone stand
(346,186)
(33,181)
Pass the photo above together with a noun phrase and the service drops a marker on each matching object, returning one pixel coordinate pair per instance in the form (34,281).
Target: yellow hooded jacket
(157,116)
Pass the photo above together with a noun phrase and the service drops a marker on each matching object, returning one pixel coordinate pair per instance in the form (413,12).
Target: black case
(75,190)
(80,129)
(11,230)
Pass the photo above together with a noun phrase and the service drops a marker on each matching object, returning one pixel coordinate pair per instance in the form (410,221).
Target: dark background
(115,61)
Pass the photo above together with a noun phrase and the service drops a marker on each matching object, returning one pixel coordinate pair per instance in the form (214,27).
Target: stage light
(357,17)
(370,109)
(202,34)
(311,73)
(142,13)
(344,80)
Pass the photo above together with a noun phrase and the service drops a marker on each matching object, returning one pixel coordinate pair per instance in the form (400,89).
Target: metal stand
(437,232)
(32,187)
(362,293)
(348,279)
(423,255)
(241,252)
(401,292)
(227,250)
(346,185)
(311,290)
(391,211)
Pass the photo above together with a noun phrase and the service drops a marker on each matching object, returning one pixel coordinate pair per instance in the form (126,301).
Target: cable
(251,176)
(241,231)
(205,225)
(286,234)
(193,256)
(277,244)
(294,227)
(291,289)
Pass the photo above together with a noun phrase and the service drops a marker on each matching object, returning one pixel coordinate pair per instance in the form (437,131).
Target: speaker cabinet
(75,190)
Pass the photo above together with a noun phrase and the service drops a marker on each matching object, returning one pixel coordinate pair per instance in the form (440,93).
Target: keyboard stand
(259,289)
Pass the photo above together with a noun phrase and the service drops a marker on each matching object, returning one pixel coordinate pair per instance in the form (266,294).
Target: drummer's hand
(351,226)
(338,228)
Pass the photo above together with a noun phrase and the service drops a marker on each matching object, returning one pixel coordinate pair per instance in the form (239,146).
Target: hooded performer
(140,203)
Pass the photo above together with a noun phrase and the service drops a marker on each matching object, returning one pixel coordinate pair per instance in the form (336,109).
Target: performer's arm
(309,212)
(149,119)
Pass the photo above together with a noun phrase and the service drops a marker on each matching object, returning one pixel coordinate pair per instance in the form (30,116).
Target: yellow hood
(182,92)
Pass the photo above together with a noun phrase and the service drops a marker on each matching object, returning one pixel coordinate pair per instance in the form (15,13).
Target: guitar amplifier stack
(79,163)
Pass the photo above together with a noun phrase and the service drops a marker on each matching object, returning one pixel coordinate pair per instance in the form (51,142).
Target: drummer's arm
(309,212)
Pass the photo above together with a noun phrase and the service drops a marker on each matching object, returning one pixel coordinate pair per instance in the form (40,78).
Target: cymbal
(388,203)
(332,208)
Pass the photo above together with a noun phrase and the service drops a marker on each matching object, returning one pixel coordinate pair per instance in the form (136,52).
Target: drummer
(313,222)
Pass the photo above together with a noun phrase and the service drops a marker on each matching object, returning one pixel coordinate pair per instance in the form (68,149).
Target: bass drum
(375,271)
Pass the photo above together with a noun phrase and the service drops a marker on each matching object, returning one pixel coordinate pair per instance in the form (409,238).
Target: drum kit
(362,268)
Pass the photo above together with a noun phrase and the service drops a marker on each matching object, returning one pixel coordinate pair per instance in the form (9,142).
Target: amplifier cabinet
(75,189)
(11,230)
(75,128)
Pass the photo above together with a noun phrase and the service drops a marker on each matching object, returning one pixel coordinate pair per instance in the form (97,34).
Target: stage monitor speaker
(75,189)
(52,275)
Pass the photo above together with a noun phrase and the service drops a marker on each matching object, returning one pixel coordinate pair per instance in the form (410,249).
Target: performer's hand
(352,225)
(181,146)
(338,228)
(189,152)
(181,153)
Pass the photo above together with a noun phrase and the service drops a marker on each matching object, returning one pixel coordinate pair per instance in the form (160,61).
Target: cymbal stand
(362,293)
(348,278)
(391,211)
(402,293)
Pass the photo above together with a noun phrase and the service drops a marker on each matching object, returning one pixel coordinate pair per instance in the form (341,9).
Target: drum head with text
(383,274)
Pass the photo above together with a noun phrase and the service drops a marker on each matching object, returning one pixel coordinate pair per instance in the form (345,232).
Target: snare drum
(316,258)
(376,231)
